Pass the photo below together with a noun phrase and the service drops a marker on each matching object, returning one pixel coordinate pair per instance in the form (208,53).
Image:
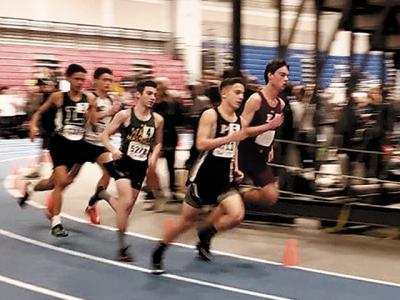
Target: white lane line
(17,158)
(13,151)
(15,193)
(37,289)
(252,259)
(136,268)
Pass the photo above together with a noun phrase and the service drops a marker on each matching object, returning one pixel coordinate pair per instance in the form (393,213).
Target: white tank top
(93,131)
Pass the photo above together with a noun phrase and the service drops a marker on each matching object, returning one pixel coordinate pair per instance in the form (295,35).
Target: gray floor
(356,255)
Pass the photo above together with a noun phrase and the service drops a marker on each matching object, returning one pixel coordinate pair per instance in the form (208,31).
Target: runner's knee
(269,194)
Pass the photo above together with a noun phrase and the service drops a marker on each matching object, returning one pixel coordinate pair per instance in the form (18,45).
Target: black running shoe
(156,264)
(59,231)
(124,255)
(149,196)
(22,200)
(203,250)
(33,175)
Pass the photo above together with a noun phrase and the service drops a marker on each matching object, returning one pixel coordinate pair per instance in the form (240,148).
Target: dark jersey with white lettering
(214,167)
(138,138)
(254,151)
(263,115)
(71,118)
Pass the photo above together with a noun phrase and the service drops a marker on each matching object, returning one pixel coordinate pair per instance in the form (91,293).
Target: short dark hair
(74,68)
(231,81)
(273,66)
(100,71)
(44,82)
(141,85)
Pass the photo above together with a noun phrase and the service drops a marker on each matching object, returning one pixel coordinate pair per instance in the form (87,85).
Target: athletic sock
(158,252)
(104,195)
(158,194)
(122,240)
(160,248)
(55,220)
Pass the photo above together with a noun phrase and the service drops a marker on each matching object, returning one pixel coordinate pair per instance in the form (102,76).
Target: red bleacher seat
(17,62)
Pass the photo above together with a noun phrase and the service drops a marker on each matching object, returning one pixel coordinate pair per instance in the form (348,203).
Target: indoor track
(35,265)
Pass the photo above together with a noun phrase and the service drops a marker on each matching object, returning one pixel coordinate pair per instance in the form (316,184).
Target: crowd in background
(355,136)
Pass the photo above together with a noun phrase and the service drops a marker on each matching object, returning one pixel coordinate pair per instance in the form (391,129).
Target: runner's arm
(155,154)
(91,114)
(251,106)
(54,99)
(205,133)
(111,128)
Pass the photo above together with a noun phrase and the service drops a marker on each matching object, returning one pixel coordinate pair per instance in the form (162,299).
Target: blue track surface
(82,265)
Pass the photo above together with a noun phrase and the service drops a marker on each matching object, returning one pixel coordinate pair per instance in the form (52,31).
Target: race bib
(227,150)
(82,107)
(265,139)
(73,133)
(138,151)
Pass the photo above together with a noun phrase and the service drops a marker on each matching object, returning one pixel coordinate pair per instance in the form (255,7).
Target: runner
(66,145)
(212,178)
(141,134)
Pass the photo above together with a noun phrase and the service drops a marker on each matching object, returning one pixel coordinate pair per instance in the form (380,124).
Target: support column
(107,12)
(237,51)
(188,34)
(341,47)
(360,49)
(40,10)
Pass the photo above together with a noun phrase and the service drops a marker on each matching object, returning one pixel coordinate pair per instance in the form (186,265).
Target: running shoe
(203,250)
(33,175)
(91,212)
(22,200)
(59,231)
(124,255)
(156,264)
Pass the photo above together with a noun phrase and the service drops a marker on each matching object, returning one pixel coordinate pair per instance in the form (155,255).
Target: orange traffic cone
(290,256)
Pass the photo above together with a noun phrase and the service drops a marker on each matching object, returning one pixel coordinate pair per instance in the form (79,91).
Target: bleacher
(18,63)
(255,58)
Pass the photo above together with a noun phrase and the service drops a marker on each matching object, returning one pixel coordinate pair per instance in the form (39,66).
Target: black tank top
(263,115)
(71,118)
(214,167)
(138,138)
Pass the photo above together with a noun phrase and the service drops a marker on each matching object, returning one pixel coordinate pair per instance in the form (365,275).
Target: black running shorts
(128,168)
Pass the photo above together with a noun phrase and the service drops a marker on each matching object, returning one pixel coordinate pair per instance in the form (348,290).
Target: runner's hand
(238,175)
(116,155)
(271,154)
(276,121)
(238,136)
(116,107)
(33,132)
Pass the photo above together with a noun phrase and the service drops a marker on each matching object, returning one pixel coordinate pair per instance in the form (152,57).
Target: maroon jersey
(263,115)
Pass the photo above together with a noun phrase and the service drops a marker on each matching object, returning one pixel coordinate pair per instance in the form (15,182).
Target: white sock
(158,194)
(55,220)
